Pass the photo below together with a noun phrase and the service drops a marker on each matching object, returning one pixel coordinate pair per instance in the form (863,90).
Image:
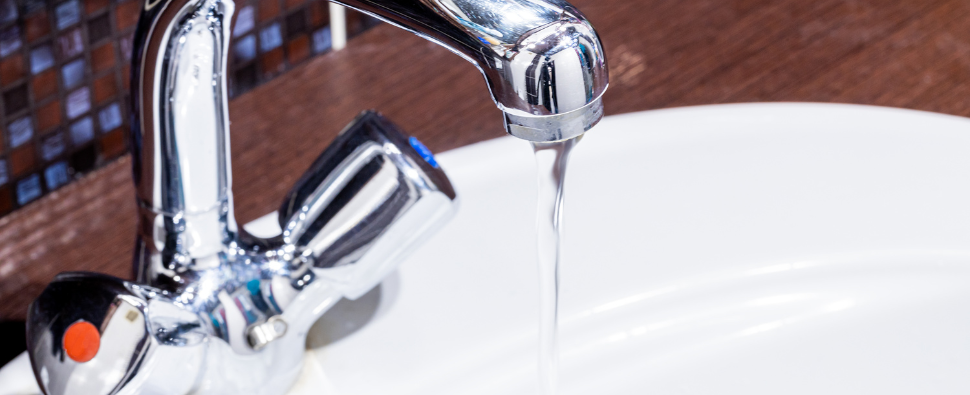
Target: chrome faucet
(216,310)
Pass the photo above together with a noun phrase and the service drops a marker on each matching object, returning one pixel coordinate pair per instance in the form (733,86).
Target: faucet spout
(542,60)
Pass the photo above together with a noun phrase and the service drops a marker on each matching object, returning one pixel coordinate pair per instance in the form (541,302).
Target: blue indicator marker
(423,151)
(253,287)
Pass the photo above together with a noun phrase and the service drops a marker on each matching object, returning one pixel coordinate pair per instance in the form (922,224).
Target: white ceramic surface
(732,249)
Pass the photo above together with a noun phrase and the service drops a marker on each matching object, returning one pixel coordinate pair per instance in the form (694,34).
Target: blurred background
(64,70)
(64,78)
(66,200)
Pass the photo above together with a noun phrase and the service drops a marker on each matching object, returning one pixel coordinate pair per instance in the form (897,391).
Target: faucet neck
(181,128)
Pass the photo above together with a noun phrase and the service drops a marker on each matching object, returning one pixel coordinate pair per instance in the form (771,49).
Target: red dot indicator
(82,341)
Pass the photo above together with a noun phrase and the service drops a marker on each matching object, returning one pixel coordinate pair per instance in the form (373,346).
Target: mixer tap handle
(89,333)
(370,198)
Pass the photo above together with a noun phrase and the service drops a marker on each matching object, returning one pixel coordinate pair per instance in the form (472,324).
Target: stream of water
(551,161)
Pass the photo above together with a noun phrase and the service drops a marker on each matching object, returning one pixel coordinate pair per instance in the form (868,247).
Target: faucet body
(216,310)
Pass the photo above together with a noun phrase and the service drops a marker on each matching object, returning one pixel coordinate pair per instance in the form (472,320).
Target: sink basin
(731,249)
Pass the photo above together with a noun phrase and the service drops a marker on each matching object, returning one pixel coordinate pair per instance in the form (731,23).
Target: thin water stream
(551,161)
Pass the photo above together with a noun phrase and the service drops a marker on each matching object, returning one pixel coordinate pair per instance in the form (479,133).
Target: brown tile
(6,200)
(105,88)
(22,160)
(37,26)
(298,49)
(319,14)
(126,14)
(268,9)
(125,81)
(12,69)
(113,143)
(290,4)
(272,62)
(92,6)
(103,58)
(49,116)
(44,84)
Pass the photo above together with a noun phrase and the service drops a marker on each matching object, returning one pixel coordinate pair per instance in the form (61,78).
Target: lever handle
(89,333)
(364,203)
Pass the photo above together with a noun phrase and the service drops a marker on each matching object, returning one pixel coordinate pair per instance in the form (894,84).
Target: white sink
(731,249)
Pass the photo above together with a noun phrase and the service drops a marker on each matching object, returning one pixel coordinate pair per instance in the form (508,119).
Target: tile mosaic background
(64,78)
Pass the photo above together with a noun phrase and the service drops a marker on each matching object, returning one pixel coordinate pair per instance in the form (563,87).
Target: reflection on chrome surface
(232,317)
(542,60)
(215,310)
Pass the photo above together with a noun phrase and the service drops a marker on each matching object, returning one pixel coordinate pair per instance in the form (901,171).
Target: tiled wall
(64,79)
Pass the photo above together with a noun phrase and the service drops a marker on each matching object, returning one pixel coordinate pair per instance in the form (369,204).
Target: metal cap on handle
(90,334)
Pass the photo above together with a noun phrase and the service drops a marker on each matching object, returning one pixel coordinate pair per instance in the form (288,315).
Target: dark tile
(22,160)
(99,28)
(84,159)
(10,41)
(272,62)
(72,74)
(245,21)
(49,116)
(110,117)
(103,58)
(82,131)
(6,200)
(78,103)
(126,14)
(70,44)
(322,40)
(298,49)
(355,23)
(12,69)
(105,88)
(52,146)
(32,6)
(245,80)
(56,175)
(126,82)
(8,11)
(4,175)
(295,24)
(28,189)
(319,13)
(290,4)
(20,132)
(44,84)
(244,50)
(15,100)
(41,58)
(37,26)
(270,38)
(113,144)
(268,9)
(92,6)
(67,14)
